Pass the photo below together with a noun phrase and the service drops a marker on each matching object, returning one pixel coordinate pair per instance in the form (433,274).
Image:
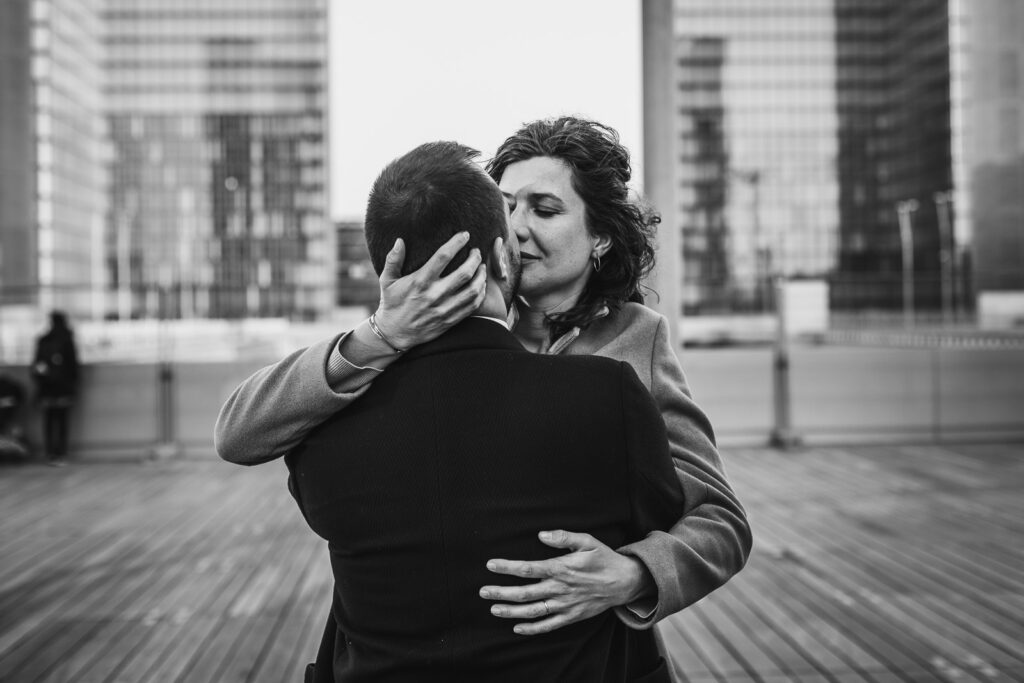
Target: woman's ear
(602,243)
(499,259)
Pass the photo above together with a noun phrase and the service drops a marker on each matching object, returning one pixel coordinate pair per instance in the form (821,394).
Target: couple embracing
(505,460)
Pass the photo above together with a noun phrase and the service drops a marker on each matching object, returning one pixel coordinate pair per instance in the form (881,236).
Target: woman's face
(548,219)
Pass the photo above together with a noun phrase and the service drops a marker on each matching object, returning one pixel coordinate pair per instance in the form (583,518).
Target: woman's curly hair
(600,173)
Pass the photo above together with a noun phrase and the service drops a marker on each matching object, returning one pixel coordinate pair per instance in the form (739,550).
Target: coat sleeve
(269,413)
(655,493)
(711,540)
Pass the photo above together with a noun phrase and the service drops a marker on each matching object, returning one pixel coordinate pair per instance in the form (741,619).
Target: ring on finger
(547,610)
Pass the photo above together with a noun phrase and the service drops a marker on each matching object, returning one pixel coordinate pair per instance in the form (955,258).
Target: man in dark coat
(55,373)
(466,446)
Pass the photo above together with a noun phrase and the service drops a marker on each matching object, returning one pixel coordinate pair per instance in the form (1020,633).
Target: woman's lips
(526,256)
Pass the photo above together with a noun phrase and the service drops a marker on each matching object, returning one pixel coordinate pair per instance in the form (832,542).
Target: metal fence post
(167,446)
(782,435)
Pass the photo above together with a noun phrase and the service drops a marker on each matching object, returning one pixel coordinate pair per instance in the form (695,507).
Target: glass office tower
(801,126)
(893,88)
(18,264)
(758,127)
(988,132)
(53,179)
(358,284)
(217,114)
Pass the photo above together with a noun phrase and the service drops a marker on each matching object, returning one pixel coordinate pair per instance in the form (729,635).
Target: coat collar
(566,340)
(470,334)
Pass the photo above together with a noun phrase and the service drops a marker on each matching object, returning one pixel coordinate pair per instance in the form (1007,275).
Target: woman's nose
(518,222)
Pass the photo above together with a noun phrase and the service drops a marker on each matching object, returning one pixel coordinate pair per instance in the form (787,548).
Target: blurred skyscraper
(53,153)
(176,157)
(218,119)
(796,128)
(988,114)
(357,281)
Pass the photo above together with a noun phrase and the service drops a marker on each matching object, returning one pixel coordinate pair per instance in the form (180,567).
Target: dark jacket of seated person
(465,449)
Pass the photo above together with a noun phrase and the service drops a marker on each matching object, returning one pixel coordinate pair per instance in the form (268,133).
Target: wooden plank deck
(901,563)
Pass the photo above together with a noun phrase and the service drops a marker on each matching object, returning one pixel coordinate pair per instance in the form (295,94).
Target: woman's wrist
(386,339)
(390,332)
(639,583)
(366,348)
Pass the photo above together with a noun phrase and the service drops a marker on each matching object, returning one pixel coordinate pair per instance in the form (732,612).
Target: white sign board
(805,306)
(1001,310)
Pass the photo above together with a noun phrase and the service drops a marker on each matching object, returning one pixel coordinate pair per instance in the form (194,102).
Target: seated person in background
(12,435)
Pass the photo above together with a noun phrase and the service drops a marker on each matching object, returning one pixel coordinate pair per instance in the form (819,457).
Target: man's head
(59,320)
(428,195)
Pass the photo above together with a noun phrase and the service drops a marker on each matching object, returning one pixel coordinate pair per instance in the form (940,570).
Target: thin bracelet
(380,335)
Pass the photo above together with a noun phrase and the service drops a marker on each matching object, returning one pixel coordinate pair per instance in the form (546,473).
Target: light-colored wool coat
(273,410)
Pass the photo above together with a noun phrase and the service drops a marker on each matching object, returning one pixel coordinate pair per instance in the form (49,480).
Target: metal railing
(155,386)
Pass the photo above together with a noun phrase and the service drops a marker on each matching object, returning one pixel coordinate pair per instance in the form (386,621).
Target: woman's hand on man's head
(423,305)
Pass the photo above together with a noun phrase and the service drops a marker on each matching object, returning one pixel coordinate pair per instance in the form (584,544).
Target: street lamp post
(96,270)
(903,211)
(947,248)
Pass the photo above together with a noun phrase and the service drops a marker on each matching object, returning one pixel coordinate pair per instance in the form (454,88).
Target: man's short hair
(428,195)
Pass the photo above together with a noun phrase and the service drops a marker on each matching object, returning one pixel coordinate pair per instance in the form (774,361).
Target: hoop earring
(595,261)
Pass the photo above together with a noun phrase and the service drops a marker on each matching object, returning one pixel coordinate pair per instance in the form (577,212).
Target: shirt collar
(563,342)
(503,323)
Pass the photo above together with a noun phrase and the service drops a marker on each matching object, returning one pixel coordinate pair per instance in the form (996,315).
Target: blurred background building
(874,145)
(841,184)
(988,113)
(166,160)
(53,154)
(357,281)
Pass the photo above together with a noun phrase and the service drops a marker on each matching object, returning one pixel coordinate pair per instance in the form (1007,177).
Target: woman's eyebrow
(538,196)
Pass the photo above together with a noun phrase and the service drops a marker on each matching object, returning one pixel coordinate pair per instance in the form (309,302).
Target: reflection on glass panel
(232,96)
(800,125)
(756,104)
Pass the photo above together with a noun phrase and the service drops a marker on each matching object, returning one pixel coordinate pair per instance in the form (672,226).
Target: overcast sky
(405,72)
